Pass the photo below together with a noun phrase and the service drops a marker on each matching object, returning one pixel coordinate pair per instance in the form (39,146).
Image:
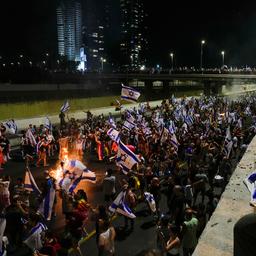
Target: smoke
(236,87)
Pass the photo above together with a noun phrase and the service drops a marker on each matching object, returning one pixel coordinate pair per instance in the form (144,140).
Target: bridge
(103,82)
(210,83)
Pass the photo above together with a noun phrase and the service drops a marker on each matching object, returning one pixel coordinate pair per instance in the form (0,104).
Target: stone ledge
(217,237)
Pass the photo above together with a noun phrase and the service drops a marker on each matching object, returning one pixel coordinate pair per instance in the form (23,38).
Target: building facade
(69,29)
(133,42)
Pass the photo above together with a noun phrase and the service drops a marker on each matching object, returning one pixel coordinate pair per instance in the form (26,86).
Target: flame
(57,172)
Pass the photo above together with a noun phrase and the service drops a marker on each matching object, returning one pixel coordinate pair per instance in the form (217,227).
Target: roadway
(127,244)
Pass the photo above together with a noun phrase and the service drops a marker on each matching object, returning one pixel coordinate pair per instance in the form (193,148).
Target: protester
(180,147)
(106,239)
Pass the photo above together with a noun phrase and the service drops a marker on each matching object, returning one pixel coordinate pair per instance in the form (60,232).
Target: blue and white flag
(189,120)
(79,171)
(65,107)
(111,122)
(151,201)
(48,124)
(114,135)
(45,208)
(30,184)
(12,126)
(164,135)
(126,159)
(174,142)
(128,125)
(129,94)
(120,206)
(172,127)
(34,240)
(249,181)
(228,143)
(130,117)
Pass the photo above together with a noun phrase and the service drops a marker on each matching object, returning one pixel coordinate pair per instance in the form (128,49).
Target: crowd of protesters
(187,149)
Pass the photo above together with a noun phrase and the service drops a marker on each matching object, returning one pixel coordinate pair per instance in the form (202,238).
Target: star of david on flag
(126,159)
(129,94)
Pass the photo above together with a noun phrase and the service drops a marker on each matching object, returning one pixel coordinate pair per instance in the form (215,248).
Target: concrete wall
(47,87)
(217,237)
(23,123)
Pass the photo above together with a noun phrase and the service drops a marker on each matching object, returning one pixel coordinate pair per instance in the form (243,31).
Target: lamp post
(223,58)
(172,55)
(201,55)
(102,63)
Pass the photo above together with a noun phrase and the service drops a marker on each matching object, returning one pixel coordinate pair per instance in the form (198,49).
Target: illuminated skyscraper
(133,42)
(69,29)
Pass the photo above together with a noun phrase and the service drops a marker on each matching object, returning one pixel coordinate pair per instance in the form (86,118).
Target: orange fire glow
(66,155)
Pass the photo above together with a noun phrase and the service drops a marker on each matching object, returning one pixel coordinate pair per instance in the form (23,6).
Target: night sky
(28,27)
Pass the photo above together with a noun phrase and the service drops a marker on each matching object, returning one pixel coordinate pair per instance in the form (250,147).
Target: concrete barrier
(217,237)
(24,123)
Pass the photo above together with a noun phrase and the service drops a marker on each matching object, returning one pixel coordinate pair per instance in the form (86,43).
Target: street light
(171,55)
(201,55)
(223,58)
(102,62)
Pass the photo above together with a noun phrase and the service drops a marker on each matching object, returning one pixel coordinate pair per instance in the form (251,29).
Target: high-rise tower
(69,29)
(133,40)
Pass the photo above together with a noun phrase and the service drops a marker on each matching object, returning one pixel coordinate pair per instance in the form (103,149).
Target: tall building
(94,33)
(133,41)
(69,29)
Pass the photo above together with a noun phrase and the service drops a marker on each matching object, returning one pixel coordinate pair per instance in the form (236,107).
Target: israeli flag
(228,143)
(65,107)
(114,135)
(34,239)
(12,126)
(128,125)
(45,208)
(48,124)
(189,120)
(129,94)
(174,142)
(126,159)
(30,184)
(151,201)
(80,172)
(164,135)
(111,122)
(120,206)
(249,181)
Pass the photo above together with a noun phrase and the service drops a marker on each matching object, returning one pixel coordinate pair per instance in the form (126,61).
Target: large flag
(126,159)
(65,107)
(30,184)
(120,206)
(80,171)
(34,239)
(228,143)
(129,94)
(46,206)
(114,135)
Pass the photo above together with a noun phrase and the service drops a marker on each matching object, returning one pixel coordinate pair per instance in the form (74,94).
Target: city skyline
(27,29)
